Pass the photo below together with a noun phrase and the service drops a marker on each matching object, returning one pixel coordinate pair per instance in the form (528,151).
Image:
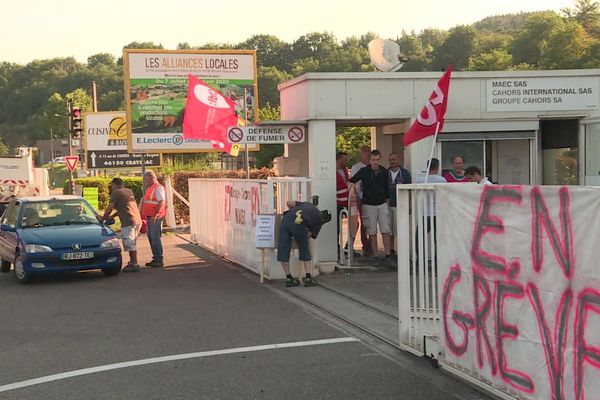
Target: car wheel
(111,271)
(22,275)
(5,265)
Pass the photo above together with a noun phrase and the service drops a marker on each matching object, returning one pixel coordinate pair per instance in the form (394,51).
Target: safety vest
(150,206)
(341,185)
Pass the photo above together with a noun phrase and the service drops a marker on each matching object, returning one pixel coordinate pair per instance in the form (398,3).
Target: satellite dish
(385,55)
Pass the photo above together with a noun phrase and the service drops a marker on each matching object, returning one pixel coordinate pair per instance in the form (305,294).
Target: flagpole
(247,156)
(437,128)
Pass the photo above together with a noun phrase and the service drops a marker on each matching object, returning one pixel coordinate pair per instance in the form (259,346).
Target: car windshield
(57,212)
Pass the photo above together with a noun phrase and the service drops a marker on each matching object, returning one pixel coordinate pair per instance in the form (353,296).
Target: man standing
(153,209)
(341,185)
(365,159)
(398,176)
(123,200)
(376,200)
(300,222)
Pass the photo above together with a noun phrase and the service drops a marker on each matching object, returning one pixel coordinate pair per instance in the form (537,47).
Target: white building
(519,127)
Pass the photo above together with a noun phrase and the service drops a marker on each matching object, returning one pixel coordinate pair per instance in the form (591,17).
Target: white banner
(543,94)
(520,286)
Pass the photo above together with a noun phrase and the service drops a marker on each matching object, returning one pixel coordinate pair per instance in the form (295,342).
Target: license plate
(78,256)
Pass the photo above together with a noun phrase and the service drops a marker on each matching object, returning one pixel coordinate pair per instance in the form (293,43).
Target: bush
(179,181)
(133,183)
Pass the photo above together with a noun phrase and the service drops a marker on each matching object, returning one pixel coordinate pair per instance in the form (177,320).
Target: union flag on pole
(208,114)
(430,120)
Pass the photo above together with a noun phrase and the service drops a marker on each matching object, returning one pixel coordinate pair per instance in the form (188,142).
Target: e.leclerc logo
(177,140)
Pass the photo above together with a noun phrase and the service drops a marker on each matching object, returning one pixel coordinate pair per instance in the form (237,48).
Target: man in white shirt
(473,173)
(432,177)
(365,160)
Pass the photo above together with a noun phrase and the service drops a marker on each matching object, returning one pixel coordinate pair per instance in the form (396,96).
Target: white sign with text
(542,94)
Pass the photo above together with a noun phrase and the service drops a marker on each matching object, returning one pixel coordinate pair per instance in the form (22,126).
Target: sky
(39,29)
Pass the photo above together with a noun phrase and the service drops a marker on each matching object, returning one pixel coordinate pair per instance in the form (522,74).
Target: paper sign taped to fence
(520,287)
(265,232)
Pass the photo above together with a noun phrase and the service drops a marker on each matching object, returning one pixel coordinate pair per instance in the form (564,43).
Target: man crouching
(300,222)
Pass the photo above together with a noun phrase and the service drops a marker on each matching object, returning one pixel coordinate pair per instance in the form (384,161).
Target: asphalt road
(73,322)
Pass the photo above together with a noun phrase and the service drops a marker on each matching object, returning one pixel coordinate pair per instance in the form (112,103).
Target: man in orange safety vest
(154,211)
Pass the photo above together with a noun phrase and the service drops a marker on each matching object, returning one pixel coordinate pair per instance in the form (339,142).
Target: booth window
(560,152)
(592,145)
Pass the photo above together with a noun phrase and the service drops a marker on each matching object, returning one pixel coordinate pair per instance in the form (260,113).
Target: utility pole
(52,154)
(69,116)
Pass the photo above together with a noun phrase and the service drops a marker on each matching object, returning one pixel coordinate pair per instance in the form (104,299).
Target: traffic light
(76,123)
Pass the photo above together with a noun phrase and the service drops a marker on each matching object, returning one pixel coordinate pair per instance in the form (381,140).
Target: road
(224,331)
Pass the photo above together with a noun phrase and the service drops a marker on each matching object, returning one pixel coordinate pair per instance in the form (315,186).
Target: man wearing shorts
(123,200)
(376,200)
(300,222)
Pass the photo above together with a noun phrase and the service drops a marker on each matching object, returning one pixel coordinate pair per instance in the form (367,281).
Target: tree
(349,140)
(457,49)
(268,79)
(528,44)
(315,45)
(4,149)
(494,60)
(101,59)
(567,46)
(51,117)
(264,157)
(586,12)
(81,99)
(270,51)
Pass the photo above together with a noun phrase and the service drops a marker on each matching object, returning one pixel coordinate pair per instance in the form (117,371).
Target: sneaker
(149,264)
(308,282)
(131,268)
(155,264)
(291,282)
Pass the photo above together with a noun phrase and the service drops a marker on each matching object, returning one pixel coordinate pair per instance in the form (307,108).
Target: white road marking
(176,357)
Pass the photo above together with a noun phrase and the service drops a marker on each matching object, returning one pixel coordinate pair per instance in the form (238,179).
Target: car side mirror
(7,228)
(109,221)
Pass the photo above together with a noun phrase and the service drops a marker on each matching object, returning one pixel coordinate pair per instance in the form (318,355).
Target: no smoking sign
(267,134)
(235,135)
(296,134)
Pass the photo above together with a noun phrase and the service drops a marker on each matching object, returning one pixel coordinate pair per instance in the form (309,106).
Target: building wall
(61,148)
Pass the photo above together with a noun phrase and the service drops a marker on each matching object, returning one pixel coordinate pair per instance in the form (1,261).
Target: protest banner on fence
(520,286)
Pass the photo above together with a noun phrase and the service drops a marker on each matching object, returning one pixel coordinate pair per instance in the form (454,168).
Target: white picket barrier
(419,310)
(223,216)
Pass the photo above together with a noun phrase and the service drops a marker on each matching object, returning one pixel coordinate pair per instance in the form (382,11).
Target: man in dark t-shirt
(123,200)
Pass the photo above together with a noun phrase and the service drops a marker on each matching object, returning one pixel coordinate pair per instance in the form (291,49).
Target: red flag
(432,114)
(208,114)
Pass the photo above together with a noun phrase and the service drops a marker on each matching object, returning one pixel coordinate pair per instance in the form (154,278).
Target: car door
(9,240)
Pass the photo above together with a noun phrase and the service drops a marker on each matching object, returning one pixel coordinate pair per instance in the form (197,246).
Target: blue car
(40,235)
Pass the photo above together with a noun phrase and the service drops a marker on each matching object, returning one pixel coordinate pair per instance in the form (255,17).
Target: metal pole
(52,154)
(94,97)
(143,159)
(247,155)
(70,112)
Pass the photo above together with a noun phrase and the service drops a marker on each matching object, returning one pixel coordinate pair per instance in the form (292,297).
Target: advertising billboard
(156,85)
(105,142)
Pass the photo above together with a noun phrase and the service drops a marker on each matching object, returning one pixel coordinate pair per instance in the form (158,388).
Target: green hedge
(180,184)
(133,183)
